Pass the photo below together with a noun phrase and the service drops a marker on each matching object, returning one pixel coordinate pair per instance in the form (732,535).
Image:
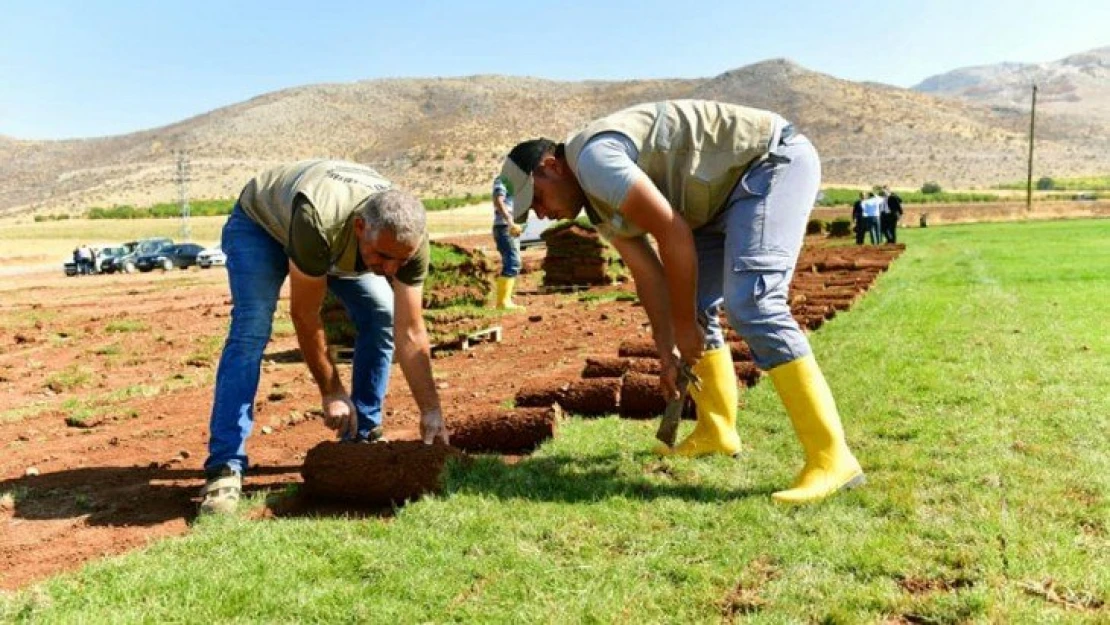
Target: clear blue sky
(81,68)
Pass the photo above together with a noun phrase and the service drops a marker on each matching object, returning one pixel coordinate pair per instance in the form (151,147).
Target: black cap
(528,154)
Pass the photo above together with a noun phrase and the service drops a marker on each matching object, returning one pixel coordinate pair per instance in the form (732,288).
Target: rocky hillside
(1078,85)
(447,136)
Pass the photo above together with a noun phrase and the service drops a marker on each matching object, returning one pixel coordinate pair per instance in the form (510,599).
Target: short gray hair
(399,212)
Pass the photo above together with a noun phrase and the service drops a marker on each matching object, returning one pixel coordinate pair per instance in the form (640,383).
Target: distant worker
(889,223)
(857,219)
(725,191)
(871,208)
(328,225)
(506,235)
(84,259)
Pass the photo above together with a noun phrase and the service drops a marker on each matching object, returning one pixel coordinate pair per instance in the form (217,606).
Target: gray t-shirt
(607,167)
(499,189)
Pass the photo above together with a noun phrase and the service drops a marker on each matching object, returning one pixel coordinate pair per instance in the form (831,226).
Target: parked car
(126,263)
(182,256)
(103,256)
(211,257)
(106,255)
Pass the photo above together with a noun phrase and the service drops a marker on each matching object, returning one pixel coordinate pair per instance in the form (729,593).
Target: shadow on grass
(120,496)
(149,496)
(575,479)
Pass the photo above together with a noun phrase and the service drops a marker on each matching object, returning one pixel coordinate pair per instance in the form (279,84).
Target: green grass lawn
(973,381)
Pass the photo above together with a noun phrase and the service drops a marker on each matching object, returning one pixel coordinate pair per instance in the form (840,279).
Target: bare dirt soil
(107,388)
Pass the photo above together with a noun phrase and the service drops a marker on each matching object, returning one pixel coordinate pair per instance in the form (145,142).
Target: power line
(183,175)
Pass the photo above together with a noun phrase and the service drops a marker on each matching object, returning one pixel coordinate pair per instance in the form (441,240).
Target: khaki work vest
(695,151)
(335,189)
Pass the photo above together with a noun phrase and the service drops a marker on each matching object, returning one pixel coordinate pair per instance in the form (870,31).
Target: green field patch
(120,326)
(971,380)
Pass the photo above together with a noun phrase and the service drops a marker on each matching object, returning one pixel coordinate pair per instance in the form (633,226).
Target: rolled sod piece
(637,348)
(602,367)
(381,473)
(506,431)
(835,264)
(747,373)
(539,394)
(740,351)
(872,263)
(641,397)
(595,396)
(592,396)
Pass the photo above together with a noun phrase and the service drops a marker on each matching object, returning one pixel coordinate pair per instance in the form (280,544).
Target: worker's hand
(668,375)
(515,230)
(690,342)
(432,427)
(340,415)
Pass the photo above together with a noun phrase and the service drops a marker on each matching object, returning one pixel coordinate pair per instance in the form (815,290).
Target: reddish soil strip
(506,431)
(375,474)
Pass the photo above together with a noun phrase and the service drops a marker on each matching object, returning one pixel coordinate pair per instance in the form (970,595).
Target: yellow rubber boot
(505,293)
(830,465)
(716,402)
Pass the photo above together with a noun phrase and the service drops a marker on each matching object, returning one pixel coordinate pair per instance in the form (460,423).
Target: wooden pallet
(491,334)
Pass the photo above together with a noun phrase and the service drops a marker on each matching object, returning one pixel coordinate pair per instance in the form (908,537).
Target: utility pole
(183,193)
(1029,175)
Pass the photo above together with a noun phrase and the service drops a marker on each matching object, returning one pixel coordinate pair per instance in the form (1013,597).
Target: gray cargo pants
(746,255)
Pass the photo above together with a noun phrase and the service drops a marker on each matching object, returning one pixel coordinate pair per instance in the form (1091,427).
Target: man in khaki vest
(725,191)
(328,225)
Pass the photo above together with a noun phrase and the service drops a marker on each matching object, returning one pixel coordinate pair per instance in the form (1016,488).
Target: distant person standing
(870,210)
(506,235)
(889,224)
(84,259)
(857,219)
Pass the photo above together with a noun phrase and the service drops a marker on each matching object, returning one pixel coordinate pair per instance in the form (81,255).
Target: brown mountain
(1077,85)
(447,136)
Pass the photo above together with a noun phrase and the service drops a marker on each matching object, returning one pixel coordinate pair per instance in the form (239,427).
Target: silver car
(211,257)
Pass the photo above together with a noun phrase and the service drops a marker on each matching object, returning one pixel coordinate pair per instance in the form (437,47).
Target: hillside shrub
(444,203)
(815,226)
(847,197)
(930,188)
(166,210)
(838,197)
(840,227)
(1084,183)
(1045,184)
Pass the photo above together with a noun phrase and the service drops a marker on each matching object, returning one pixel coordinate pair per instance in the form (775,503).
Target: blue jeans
(871,227)
(256,268)
(509,248)
(746,255)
